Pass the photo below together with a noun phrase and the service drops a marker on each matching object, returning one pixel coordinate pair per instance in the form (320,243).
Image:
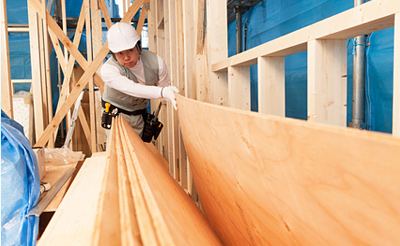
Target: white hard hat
(122,36)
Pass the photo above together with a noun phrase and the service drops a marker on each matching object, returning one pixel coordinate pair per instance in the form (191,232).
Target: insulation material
(22,109)
(271,19)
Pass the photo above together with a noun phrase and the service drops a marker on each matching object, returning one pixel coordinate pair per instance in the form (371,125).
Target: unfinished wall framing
(207,74)
(76,77)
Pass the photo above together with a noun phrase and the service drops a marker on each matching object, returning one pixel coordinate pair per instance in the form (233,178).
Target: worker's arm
(115,80)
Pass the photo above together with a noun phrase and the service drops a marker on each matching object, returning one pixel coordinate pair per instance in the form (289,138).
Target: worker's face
(128,58)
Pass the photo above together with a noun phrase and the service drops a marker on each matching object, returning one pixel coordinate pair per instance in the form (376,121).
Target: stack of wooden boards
(127,198)
(265,180)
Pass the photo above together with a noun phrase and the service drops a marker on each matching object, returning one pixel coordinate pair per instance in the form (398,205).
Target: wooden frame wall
(207,74)
(91,17)
(325,43)
(6,87)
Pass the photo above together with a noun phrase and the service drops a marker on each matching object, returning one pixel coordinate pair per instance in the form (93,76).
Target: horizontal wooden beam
(366,18)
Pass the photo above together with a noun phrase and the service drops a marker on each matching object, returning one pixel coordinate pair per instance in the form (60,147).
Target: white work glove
(168,94)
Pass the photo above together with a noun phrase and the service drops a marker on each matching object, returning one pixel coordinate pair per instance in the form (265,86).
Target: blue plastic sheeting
(271,19)
(73,8)
(20,186)
(20,59)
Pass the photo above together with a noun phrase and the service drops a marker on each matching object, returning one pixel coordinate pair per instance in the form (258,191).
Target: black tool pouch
(106,120)
(152,128)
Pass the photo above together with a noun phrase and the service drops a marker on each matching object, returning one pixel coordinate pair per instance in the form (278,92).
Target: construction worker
(132,76)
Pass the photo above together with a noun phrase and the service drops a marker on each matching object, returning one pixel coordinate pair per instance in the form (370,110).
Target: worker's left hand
(168,94)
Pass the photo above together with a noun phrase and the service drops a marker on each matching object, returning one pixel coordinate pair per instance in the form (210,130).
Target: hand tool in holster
(152,126)
(107,116)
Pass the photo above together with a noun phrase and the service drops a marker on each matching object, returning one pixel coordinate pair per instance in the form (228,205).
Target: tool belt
(120,110)
(113,111)
(152,126)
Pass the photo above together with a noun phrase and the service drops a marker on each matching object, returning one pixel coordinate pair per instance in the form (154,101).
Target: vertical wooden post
(239,87)
(396,78)
(200,77)
(88,28)
(181,85)
(47,74)
(43,70)
(6,91)
(97,40)
(175,76)
(217,48)
(64,28)
(152,25)
(188,47)
(271,85)
(327,81)
(36,79)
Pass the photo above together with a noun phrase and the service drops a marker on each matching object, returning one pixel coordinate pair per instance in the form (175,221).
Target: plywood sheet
(264,180)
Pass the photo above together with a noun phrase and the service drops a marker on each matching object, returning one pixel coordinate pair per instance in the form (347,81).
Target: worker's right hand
(168,94)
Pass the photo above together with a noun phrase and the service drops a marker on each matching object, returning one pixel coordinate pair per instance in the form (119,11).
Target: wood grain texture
(177,219)
(130,199)
(73,222)
(265,180)
(54,171)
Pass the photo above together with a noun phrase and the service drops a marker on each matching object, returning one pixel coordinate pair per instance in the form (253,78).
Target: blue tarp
(271,19)
(20,185)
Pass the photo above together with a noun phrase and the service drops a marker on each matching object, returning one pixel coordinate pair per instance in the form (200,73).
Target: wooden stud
(47,73)
(173,145)
(97,32)
(151,24)
(271,85)
(42,66)
(167,147)
(123,7)
(396,78)
(36,79)
(327,81)
(217,48)
(88,27)
(239,87)
(199,25)
(6,92)
(189,48)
